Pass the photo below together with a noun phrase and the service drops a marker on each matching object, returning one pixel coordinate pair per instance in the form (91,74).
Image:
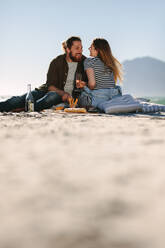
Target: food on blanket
(75,103)
(71,100)
(75,110)
(72,104)
(59,108)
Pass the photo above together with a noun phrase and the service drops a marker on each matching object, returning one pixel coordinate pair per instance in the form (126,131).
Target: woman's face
(93,51)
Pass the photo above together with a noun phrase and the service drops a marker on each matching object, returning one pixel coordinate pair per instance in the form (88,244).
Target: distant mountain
(144,77)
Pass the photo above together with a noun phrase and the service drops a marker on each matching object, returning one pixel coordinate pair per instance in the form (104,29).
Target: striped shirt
(103,75)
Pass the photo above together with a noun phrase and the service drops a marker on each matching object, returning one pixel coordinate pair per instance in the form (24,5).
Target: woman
(103,70)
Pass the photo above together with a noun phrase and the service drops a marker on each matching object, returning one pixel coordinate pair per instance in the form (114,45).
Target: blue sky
(32,32)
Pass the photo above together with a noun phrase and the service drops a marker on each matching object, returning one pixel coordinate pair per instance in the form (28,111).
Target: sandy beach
(82,180)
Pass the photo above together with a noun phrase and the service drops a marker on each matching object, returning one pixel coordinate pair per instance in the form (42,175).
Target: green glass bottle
(29,101)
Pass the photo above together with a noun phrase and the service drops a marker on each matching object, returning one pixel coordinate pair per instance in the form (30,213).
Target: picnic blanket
(127,103)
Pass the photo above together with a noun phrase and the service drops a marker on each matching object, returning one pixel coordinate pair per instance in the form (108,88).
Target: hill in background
(144,77)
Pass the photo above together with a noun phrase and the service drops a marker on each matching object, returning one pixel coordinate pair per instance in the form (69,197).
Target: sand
(82,180)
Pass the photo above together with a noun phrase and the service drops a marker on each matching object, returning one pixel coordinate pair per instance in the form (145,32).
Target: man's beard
(74,58)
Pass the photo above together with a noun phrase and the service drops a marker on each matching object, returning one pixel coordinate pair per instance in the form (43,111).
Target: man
(61,80)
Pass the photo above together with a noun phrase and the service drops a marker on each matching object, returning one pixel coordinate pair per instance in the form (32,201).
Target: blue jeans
(42,100)
(91,98)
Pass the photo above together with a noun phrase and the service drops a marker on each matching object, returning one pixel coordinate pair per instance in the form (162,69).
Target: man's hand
(80,84)
(52,88)
(66,97)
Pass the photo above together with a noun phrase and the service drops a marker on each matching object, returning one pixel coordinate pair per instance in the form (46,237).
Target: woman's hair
(105,54)
(69,42)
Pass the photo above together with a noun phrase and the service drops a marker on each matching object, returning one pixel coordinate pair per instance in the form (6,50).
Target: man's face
(75,53)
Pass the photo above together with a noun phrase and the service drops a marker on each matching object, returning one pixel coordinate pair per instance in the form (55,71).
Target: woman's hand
(80,84)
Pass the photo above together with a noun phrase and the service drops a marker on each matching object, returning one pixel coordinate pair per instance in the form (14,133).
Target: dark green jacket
(58,71)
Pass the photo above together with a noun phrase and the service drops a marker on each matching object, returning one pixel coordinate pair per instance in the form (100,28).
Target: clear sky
(31,33)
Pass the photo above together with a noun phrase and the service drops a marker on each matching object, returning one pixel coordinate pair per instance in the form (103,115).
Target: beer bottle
(29,101)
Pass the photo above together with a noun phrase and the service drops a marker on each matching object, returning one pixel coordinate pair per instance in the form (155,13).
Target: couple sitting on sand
(91,80)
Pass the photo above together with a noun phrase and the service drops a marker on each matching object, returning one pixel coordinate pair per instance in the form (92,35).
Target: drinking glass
(78,76)
(78,79)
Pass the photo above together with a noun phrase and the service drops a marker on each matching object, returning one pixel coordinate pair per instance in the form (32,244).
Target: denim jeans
(91,98)
(42,100)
